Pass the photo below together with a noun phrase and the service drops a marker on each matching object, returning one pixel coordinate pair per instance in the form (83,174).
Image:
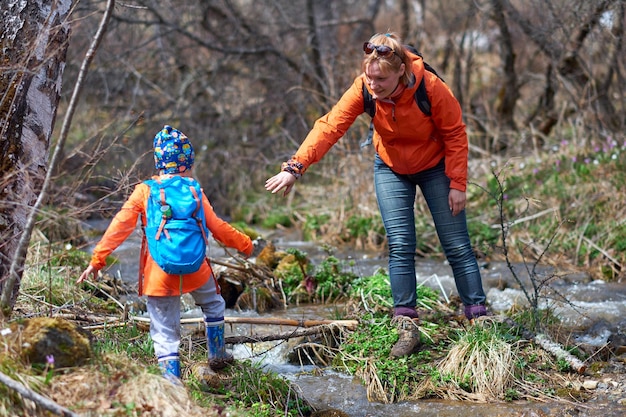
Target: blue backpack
(175,225)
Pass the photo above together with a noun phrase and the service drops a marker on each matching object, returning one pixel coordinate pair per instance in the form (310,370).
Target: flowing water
(596,306)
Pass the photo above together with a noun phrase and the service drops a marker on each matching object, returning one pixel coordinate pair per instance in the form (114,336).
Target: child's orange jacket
(153,281)
(406,139)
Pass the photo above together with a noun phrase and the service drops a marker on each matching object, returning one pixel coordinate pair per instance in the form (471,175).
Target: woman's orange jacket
(153,280)
(406,139)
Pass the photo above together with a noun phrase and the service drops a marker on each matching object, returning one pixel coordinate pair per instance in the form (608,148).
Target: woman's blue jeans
(396,199)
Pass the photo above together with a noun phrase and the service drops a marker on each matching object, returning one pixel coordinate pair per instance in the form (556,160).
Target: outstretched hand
(279,181)
(90,270)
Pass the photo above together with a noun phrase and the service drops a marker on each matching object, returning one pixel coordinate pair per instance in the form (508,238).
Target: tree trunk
(510,88)
(34,42)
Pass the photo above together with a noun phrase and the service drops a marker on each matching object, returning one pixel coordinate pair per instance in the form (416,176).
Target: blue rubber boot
(216,351)
(170,367)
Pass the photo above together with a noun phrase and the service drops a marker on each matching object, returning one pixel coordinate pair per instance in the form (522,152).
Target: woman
(412,149)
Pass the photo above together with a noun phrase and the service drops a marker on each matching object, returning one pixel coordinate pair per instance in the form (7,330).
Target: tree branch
(40,400)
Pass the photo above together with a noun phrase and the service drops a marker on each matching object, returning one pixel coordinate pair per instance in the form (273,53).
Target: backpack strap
(369,107)
(421,98)
(195,213)
(421,95)
(164,215)
(143,255)
(369,104)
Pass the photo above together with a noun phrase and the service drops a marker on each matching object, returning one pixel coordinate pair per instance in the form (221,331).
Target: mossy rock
(40,338)
(260,299)
(289,263)
(267,256)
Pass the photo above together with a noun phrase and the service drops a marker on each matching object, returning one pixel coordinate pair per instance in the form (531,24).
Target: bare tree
(563,32)
(243,80)
(246,80)
(35,41)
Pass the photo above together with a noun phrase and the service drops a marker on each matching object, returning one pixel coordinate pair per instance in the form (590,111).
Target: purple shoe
(405,311)
(475,310)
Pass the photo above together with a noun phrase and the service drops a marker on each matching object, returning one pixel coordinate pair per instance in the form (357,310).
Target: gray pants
(165,316)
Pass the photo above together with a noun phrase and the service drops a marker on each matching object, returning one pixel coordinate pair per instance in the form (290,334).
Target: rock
(329,413)
(202,372)
(590,384)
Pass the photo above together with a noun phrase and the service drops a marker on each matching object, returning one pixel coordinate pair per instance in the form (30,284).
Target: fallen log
(38,399)
(311,327)
(350,324)
(549,346)
(560,353)
(104,321)
(235,340)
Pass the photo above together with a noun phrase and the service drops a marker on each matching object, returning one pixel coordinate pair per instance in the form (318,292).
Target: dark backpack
(421,97)
(175,226)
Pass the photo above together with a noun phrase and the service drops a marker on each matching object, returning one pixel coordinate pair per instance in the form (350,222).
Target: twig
(443,291)
(247,268)
(109,296)
(527,218)
(603,252)
(282,292)
(39,399)
(92,318)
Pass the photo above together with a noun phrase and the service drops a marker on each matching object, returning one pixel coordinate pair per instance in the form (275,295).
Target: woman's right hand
(279,181)
(90,270)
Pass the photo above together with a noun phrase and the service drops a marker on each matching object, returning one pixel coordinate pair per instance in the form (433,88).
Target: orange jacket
(155,281)
(406,139)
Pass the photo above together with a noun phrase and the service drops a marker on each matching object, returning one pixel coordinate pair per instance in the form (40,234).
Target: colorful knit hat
(173,152)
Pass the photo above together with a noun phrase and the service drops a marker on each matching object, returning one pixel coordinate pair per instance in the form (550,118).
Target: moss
(44,339)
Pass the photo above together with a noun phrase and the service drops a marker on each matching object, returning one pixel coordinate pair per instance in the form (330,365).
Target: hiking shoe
(409,336)
(220,363)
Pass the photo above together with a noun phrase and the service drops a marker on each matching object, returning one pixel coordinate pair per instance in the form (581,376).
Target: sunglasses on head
(382,50)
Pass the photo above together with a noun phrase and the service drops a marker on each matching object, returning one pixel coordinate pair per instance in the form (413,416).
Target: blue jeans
(396,199)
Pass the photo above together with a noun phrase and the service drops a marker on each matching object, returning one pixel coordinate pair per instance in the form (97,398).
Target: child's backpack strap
(199,219)
(166,213)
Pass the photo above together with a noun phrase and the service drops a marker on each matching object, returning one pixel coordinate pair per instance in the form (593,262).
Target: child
(173,155)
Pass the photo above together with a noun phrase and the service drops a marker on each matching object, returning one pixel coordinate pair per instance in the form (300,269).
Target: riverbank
(541,382)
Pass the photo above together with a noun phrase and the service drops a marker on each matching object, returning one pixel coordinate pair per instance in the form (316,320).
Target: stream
(596,307)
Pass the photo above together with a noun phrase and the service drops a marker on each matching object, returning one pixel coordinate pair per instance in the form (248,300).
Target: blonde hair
(392,62)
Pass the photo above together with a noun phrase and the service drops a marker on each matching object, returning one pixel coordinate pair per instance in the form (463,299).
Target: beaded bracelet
(293,167)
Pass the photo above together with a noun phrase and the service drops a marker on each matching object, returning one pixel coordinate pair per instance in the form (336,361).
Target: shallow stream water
(589,302)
